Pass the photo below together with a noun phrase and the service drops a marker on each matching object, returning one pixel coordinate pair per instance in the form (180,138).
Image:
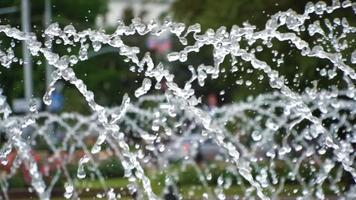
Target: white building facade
(116,8)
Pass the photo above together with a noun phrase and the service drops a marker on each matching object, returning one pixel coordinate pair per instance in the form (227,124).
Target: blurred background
(107,74)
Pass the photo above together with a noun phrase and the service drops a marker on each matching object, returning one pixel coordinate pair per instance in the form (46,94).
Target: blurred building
(145,9)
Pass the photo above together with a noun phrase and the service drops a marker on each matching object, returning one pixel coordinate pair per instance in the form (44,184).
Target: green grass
(189,191)
(95,184)
(185,190)
(158,189)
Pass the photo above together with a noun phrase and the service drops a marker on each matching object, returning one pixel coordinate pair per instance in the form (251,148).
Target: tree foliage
(214,14)
(81,13)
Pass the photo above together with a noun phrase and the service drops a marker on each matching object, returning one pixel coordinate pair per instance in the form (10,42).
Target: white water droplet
(69,189)
(146,86)
(256,136)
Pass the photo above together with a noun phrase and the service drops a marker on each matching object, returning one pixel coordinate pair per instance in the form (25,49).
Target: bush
(111,168)
(188,177)
(17,181)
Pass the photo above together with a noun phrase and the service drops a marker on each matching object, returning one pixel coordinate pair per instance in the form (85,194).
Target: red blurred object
(10,161)
(186,147)
(51,164)
(160,44)
(26,171)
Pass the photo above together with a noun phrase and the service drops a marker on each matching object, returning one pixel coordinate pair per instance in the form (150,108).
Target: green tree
(81,13)
(214,14)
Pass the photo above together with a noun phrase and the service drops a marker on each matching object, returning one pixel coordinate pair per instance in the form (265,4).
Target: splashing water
(284,137)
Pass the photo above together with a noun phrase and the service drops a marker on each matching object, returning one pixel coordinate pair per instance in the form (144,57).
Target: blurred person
(170,195)
(56,106)
(57,97)
(164,86)
(212,102)
(199,158)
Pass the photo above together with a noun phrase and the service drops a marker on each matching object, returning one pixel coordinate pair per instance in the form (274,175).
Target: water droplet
(69,189)
(256,136)
(146,86)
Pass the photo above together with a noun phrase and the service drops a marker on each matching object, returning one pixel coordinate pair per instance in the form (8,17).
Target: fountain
(280,139)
